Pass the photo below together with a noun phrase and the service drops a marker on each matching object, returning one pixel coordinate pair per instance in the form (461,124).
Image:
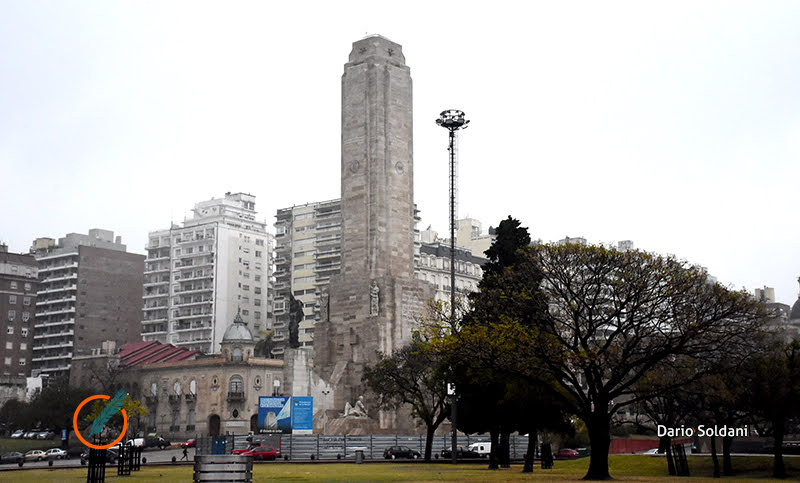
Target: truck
(483,448)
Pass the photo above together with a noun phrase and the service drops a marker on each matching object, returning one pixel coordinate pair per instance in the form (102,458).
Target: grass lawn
(623,467)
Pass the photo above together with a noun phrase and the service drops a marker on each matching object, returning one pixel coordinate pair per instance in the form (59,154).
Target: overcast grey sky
(672,124)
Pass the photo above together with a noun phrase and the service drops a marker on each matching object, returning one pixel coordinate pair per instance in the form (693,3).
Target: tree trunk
(531,454)
(505,450)
(727,464)
(429,441)
(493,436)
(665,445)
(599,440)
(779,470)
(714,458)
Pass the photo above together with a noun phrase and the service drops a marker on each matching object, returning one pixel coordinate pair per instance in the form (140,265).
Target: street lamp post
(452,120)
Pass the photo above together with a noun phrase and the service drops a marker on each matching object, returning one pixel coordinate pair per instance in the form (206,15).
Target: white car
(651,451)
(56,453)
(18,434)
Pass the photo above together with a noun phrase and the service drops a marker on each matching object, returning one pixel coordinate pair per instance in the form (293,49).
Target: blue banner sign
(275,414)
(302,413)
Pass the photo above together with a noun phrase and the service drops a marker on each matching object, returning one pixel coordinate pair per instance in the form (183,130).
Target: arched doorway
(213,425)
(254,423)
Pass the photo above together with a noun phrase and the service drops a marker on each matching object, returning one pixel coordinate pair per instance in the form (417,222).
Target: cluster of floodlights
(452,119)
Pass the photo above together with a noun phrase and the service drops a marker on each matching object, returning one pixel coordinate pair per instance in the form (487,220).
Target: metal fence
(319,447)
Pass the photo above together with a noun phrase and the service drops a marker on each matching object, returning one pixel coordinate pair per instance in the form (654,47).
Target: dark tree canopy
(511,237)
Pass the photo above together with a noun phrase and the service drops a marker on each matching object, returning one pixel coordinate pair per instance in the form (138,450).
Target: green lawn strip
(623,468)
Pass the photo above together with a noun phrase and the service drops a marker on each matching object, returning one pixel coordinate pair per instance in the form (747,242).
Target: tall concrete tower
(374,302)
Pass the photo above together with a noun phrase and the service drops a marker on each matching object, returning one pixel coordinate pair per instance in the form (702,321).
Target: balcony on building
(235,396)
(174,398)
(190,398)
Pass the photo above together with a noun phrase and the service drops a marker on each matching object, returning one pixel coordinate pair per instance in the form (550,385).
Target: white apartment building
(198,276)
(308,252)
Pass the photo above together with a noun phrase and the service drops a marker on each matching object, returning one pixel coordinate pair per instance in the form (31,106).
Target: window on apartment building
(246,300)
(245,312)
(246,250)
(24,332)
(23,346)
(259,242)
(246,288)
(12,314)
(258,278)
(22,362)
(13,285)
(27,286)
(9,345)
(257,302)
(26,301)
(258,265)
(257,315)
(257,289)
(303,216)
(258,253)
(8,361)
(10,330)
(12,299)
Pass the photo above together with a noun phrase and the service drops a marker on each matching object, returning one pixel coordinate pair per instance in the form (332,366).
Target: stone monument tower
(374,302)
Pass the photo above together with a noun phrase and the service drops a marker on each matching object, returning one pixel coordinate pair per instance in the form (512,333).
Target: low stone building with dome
(187,393)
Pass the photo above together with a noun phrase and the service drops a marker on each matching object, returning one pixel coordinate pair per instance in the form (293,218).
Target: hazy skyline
(674,125)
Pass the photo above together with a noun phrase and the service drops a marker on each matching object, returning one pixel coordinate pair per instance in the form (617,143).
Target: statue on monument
(373,298)
(357,411)
(324,305)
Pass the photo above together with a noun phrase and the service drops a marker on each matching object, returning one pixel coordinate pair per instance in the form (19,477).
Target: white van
(483,448)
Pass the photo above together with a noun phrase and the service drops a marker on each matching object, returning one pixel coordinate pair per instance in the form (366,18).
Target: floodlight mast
(453,120)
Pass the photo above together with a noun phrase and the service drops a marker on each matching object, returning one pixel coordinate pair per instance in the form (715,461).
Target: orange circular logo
(78,433)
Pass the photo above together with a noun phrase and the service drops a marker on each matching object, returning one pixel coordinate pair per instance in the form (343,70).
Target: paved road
(154,455)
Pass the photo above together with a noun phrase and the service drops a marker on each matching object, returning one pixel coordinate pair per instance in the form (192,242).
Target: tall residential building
(18,286)
(199,276)
(470,235)
(89,292)
(433,266)
(308,252)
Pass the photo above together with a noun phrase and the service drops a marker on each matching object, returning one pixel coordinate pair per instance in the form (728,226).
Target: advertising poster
(303,413)
(275,414)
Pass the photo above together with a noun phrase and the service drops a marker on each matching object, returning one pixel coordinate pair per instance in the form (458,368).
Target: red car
(251,446)
(189,443)
(262,453)
(566,453)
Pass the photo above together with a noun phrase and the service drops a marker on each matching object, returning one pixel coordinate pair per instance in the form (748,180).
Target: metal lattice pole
(453,120)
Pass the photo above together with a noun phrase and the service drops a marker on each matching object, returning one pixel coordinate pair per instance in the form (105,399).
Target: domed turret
(237,342)
(795,313)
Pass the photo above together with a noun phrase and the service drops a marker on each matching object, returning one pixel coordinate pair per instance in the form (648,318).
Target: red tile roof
(150,352)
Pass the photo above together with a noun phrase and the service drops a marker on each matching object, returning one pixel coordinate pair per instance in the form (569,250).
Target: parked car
(245,450)
(111,456)
(189,443)
(56,453)
(35,455)
(45,435)
(566,453)
(461,452)
(262,453)
(14,457)
(394,452)
(151,441)
(18,434)
(30,435)
(651,451)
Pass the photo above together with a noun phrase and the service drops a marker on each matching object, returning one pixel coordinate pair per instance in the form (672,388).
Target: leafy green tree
(413,376)
(612,317)
(772,378)
(264,346)
(54,406)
